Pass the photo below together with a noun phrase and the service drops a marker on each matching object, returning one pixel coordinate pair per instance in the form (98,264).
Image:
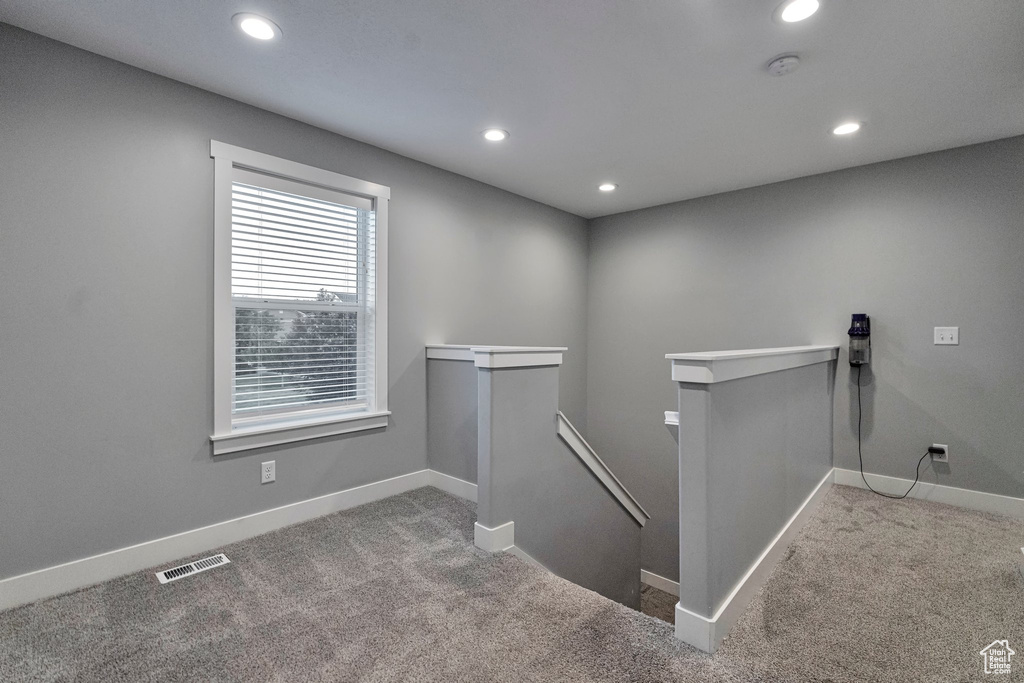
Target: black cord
(860,456)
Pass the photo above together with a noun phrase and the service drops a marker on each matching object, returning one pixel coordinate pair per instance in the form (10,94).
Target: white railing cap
(708,367)
(484,356)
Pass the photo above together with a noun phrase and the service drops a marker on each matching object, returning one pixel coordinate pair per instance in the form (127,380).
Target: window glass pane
(290,359)
(302,282)
(284,246)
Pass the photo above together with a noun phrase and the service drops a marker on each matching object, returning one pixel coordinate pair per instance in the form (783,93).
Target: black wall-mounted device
(860,339)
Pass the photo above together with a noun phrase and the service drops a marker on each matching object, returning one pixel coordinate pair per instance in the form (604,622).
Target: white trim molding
(527,558)
(672,423)
(937,493)
(231,434)
(499,538)
(659,582)
(258,161)
(707,634)
(299,430)
(708,367)
(44,583)
(502,538)
(498,357)
(578,445)
(453,485)
(463,352)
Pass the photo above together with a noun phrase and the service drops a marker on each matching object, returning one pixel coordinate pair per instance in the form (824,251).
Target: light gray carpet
(872,590)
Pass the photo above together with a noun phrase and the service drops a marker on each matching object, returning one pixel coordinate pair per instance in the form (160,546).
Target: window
(300,316)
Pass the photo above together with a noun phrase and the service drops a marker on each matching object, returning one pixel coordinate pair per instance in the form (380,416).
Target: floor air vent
(168,575)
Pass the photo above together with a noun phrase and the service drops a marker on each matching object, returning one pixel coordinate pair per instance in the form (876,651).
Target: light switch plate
(947,336)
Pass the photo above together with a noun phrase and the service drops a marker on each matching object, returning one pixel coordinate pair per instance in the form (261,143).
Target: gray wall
(564,516)
(105,278)
(106,227)
(452,418)
(915,243)
(751,451)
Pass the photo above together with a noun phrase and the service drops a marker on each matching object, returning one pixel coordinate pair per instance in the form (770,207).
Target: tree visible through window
(296,358)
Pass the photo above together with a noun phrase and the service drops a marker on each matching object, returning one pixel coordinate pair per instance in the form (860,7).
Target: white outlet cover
(947,336)
(268,472)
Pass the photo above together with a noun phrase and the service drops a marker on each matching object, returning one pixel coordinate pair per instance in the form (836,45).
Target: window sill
(262,436)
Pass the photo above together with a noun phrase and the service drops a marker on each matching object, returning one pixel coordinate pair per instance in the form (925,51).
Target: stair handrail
(578,445)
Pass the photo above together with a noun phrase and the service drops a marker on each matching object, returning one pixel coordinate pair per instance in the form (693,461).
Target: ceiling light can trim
(848,127)
(795,11)
(240,20)
(495,134)
(607,187)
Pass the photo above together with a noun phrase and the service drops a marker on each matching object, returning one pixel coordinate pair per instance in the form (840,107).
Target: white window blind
(302,285)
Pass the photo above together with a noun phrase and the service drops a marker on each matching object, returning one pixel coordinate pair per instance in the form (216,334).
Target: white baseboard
(659,582)
(51,581)
(965,498)
(494,540)
(707,634)
(502,539)
(527,558)
(454,486)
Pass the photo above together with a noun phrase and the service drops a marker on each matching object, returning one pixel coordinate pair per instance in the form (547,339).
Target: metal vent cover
(180,572)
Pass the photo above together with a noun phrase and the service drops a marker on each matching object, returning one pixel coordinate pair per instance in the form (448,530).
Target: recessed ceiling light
(607,187)
(256,26)
(796,10)
(846,128)
(495,134)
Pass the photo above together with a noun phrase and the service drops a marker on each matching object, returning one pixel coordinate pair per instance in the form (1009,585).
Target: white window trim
(314,424)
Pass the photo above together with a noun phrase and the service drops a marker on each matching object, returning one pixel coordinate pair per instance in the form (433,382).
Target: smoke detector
(783,64)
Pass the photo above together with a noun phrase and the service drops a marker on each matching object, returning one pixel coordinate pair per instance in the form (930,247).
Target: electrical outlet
(941,458)
(268,472)
(947,336)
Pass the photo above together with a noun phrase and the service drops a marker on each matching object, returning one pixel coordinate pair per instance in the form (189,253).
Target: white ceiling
(669,99)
